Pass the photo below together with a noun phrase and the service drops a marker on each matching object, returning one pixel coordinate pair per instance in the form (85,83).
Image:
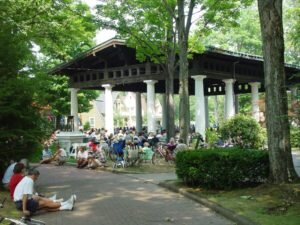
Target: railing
(117,73)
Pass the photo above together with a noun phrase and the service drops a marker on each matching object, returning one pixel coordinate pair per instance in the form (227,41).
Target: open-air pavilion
(112,66)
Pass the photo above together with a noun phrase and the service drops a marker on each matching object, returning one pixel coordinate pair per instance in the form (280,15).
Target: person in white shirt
(60,156)
(82,158)
(29,203)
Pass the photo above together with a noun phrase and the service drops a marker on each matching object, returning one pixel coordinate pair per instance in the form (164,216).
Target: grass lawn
(9,209)
(266,204)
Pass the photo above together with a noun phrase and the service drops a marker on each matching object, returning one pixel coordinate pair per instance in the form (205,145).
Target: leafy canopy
(59,29)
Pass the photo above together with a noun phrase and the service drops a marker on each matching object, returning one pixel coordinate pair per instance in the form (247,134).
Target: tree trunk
(184,104)
(170,102)
(281,164)
(171,61)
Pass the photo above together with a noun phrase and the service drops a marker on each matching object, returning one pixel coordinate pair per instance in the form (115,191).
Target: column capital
(254,84)
(107,86)
(228,81)
(199,77)
(74,89)
(150,81)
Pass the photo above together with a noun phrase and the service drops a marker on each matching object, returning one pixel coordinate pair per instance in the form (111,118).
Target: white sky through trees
(101,35)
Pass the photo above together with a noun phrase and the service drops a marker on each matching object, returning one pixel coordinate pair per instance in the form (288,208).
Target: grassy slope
(9,209)
(265,204)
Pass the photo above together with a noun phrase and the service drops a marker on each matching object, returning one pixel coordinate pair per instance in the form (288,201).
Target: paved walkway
(123,199)
(120,199)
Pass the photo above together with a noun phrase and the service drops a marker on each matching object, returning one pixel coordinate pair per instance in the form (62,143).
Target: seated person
(146,152)
(19,171)
(92,144)
(131,153)
(154,141)
(93,162)
(18,175)
(8,174)
(96,158)
(82,158)
(60,156)
(136,141)
(46,155)
(26,201)
(104,145)
(179,147)
(26,164)
(170,148)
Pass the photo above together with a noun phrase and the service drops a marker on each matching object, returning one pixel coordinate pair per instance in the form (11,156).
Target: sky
(102,35)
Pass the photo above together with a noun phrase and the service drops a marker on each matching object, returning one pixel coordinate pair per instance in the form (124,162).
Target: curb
(227,213)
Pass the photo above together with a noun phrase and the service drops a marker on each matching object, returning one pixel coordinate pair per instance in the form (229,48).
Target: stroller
(118,154)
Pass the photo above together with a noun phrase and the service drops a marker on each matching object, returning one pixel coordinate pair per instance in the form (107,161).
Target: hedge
(222,168)
(295,137)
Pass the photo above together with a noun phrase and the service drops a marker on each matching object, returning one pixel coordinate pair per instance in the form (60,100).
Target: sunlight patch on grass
(265,204)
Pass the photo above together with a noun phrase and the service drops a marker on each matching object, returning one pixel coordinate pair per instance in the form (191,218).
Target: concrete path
(119,199)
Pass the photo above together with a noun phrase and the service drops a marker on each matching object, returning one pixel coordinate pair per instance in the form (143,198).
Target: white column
(109,113)
(138,112)
(74,107)
(206,112)
(164,111)
(151,105)
(200,104)
(229,99)
(254,100)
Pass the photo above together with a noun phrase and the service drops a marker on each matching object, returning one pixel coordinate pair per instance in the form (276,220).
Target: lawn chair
(118,153)
(131,155)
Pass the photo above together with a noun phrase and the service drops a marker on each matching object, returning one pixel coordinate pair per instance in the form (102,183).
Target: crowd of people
(146,143)
(19,179)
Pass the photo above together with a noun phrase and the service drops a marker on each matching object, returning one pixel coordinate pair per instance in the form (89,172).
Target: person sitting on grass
(60,156)
(46,155)
(82,158)
(96,157)
(8,174)
(18,175)
(26,201)
(19,172)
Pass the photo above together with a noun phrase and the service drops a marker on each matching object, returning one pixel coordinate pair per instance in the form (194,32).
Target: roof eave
(92,51)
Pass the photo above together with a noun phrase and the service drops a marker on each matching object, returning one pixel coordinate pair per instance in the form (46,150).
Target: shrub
(86,126)
(212,137)
(222,168)
(295,137)
(244,132)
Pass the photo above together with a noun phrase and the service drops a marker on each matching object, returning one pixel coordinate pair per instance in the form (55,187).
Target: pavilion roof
(115,41)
